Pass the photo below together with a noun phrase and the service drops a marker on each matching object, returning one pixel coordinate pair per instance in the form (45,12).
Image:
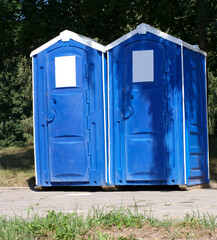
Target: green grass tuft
(101,225)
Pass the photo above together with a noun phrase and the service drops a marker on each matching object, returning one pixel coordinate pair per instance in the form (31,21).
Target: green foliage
(28,129)
(212,103)
(15,101)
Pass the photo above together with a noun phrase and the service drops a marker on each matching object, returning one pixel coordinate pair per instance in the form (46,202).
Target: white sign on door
(65,71)
(143,66)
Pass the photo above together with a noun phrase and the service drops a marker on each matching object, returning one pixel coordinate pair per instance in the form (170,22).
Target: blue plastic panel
(196,118)
(145,116)
(69,117)
(139,117)
(144,109)
(66,118)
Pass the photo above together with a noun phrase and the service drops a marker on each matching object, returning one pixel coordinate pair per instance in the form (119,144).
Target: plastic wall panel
(172,120)
(196,118)
(69,149)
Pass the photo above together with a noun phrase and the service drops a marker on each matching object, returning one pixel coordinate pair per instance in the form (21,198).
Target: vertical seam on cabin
(104,113)
(183,109)
(108,97)
(34,135)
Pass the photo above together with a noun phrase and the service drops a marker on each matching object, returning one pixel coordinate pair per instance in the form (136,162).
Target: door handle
(50,115)
(128,112)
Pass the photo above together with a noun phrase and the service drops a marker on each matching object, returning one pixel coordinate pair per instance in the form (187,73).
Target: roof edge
(144,28)
(65,36)
(194,48)
(140,29)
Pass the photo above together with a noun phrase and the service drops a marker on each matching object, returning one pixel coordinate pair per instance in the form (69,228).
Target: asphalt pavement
(160,203)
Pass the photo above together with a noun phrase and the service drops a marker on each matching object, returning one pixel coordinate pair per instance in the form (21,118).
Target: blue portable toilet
(69,111)
(157,114)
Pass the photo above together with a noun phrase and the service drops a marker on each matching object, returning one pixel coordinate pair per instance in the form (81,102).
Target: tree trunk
(202,23)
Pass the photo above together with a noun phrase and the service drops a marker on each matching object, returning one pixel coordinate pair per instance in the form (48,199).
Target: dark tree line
(26,24)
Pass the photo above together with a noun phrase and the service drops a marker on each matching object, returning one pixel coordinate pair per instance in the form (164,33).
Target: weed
(206,221)
(121,224)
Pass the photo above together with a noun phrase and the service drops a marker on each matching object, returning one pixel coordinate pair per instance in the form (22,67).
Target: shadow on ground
(31,182)
(100,189)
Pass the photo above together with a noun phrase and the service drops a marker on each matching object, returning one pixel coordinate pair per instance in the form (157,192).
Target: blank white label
(65,71)
(143,66)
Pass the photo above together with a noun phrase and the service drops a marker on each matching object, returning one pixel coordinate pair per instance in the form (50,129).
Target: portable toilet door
(146,116)
(196,132)
(68,112)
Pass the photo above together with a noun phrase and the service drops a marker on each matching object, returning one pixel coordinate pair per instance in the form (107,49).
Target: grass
(121,224)
(213,157)
(17,167)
